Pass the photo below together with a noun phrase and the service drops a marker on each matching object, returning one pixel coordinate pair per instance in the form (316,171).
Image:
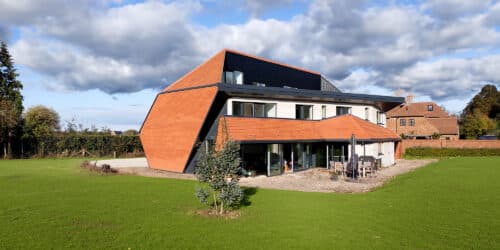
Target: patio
(311,180)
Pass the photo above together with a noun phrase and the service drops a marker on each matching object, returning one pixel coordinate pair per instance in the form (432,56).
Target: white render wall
(372,149)
(286,109)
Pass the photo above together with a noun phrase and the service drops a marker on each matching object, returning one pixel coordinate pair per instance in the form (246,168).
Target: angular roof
(445,126)
(172,126)
(417,109)
(338,128)
(209,72)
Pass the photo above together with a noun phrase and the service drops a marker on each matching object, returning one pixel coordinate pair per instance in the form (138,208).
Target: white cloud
(146,45)
(451,9)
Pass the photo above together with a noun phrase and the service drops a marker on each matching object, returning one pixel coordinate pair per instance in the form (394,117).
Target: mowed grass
(53,204)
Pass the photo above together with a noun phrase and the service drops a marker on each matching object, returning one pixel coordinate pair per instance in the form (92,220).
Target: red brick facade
(415,120)
(449,144)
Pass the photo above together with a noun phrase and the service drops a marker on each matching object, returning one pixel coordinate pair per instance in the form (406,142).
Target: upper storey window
(430,107)
(249,109)
(380,118)
(303,112)
(343,110)
(232,77)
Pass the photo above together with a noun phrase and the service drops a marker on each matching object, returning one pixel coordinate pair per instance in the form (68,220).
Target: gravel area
(312,180)
(140,162)
(321,180)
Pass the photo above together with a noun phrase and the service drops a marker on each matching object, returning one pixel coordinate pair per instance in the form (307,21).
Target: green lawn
(53,204)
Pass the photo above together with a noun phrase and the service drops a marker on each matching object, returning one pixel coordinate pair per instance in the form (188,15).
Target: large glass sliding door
(302,156)
(274,159)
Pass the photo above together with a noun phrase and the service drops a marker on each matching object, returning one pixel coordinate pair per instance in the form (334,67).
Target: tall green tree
(41,123)
(487,101)
(11,100)
(476,124)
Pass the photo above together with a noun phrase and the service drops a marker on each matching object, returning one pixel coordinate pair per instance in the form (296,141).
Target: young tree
(11,100)
(220,171)
(41,122)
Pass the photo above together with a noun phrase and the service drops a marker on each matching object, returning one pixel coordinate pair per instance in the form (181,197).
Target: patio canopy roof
(339,128)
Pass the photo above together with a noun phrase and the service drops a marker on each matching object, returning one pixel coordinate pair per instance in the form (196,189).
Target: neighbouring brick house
(422,120)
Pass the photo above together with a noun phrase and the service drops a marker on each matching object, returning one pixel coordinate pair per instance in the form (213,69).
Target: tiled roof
(445,126)
(417,109)
(172,126)
(275,129)
(209,72)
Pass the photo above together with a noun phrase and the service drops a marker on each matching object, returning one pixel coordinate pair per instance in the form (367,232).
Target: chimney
(409,98)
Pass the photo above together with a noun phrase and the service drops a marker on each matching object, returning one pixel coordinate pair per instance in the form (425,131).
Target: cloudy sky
(102,62)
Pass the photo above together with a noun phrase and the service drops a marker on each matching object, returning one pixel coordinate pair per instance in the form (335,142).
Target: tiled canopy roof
(417,109)
(274,129)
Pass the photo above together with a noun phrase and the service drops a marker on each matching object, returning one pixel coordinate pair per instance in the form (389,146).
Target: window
(303,112)
(412,122)
(367,114)
(430,107)
(228,77)
(238,77)
(402,122)
(343,110)
(323,111)
(380,117)
(270,109)
(259,109)
(249,109)
(232,77)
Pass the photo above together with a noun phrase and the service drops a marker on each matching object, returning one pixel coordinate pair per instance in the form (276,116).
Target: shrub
(218,170)
(451,152)
(96,145)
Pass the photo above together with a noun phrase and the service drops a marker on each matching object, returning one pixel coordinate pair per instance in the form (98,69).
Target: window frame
(302,106)
(348,108)
(402,122)
(265,105)
(411,122)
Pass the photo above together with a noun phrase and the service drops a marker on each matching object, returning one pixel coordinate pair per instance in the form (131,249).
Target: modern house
(422,120)
(285,118)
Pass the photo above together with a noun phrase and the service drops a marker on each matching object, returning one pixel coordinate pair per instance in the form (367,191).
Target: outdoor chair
(338,167)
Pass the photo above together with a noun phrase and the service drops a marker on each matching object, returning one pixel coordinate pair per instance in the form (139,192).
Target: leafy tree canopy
(41,121)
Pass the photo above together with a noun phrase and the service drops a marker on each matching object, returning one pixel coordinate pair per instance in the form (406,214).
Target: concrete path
(124,163)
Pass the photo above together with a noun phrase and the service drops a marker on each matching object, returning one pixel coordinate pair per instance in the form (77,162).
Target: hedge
(451,152)
(69,145)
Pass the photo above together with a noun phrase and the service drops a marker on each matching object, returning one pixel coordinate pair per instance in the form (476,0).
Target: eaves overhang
(385,103)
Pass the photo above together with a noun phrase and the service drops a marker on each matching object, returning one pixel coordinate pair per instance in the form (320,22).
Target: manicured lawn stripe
(53,204)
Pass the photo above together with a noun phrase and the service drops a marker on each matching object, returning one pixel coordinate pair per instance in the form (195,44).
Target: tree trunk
(221,204)
(4,151)
(215,201)
(9,147)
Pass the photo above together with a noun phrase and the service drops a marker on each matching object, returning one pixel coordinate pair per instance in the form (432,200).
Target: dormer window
(232,77)
(430,107)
